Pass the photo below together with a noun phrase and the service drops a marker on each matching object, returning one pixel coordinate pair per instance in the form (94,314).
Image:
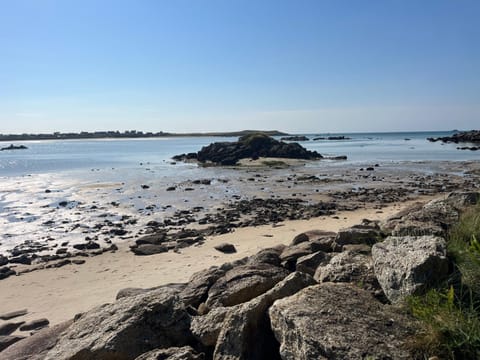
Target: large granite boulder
(127,328)
(246,332)
(337,321)
(358,234)
(243,283)
(407,265)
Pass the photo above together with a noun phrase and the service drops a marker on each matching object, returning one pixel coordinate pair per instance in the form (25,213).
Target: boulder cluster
(249,146)
(325,296)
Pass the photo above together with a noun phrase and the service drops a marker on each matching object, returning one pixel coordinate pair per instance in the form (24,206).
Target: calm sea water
(60,156)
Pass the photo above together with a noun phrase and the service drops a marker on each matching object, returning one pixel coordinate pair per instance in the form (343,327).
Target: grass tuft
(450,315)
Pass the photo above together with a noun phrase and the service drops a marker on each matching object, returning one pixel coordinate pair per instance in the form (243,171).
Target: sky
(220,65)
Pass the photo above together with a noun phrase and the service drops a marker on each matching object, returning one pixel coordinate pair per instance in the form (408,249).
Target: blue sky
(298,66)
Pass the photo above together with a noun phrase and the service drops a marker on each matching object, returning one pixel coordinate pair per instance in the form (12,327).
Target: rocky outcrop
(407,265)
(127,328)
(294,138)
(337,321)
(472,136)
(250,146)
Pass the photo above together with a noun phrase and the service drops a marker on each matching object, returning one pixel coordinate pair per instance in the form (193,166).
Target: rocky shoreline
(472,137)
(269,196)
(326,295)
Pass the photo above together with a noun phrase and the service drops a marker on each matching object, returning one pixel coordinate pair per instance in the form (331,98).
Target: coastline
(59,293)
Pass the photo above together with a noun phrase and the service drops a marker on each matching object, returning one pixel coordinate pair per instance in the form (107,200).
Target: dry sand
(58,294)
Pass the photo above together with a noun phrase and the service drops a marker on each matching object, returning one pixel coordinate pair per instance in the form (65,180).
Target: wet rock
(408,265)
(126,329)
(243,283)
(8,328)
(337,321)
(8,340)
(252,146)
(35,325)
(22,259)
(148,249)
(5,272)
(3,260)
(36,346)
(226,248)
(171,188)
(246,332)
(13,314)
(153,239)
(175,353)
(89,245)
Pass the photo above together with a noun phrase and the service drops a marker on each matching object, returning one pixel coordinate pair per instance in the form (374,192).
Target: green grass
(449,316)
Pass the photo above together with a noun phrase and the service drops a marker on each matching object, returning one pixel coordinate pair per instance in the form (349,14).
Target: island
(14,147)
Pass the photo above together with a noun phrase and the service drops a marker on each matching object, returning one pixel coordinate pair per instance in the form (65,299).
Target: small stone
(226,248)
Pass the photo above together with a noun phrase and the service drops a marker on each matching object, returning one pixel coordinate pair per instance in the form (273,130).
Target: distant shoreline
(129,135)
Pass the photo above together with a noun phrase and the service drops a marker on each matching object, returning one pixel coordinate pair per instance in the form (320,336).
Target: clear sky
(205,65)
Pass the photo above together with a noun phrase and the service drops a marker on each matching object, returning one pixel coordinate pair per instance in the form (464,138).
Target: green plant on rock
(450,315)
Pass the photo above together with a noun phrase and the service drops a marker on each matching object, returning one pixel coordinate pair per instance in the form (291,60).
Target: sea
(57,156)
(56,191)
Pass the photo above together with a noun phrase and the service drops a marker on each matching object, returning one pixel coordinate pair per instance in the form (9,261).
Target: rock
(148,249)
(8,328)
(3,260)
(252,146)
(22,259)
(8,340)
(267,256)
(246,332)
(320,236)
(206,328)
(243,283)
(196,290)
(294,138)
(36,346)
(226,248)
(308,264)
(290,254)
(460,200)
(13,314)
(472,136)
(89,245)
(127,328)
(171,188)
(171,287)
(13,147)
(350,267)
(408,265)
(338,321)
(358,235)
(5,272)
(35,325)
(153,239)
(174,353)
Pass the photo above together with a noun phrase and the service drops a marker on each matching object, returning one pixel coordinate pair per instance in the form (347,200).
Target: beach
(72,237)
(59,293)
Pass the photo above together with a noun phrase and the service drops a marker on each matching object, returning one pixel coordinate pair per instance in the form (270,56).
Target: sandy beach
(60,293)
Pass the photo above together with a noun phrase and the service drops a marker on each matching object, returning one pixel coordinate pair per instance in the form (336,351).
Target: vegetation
(450,315)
